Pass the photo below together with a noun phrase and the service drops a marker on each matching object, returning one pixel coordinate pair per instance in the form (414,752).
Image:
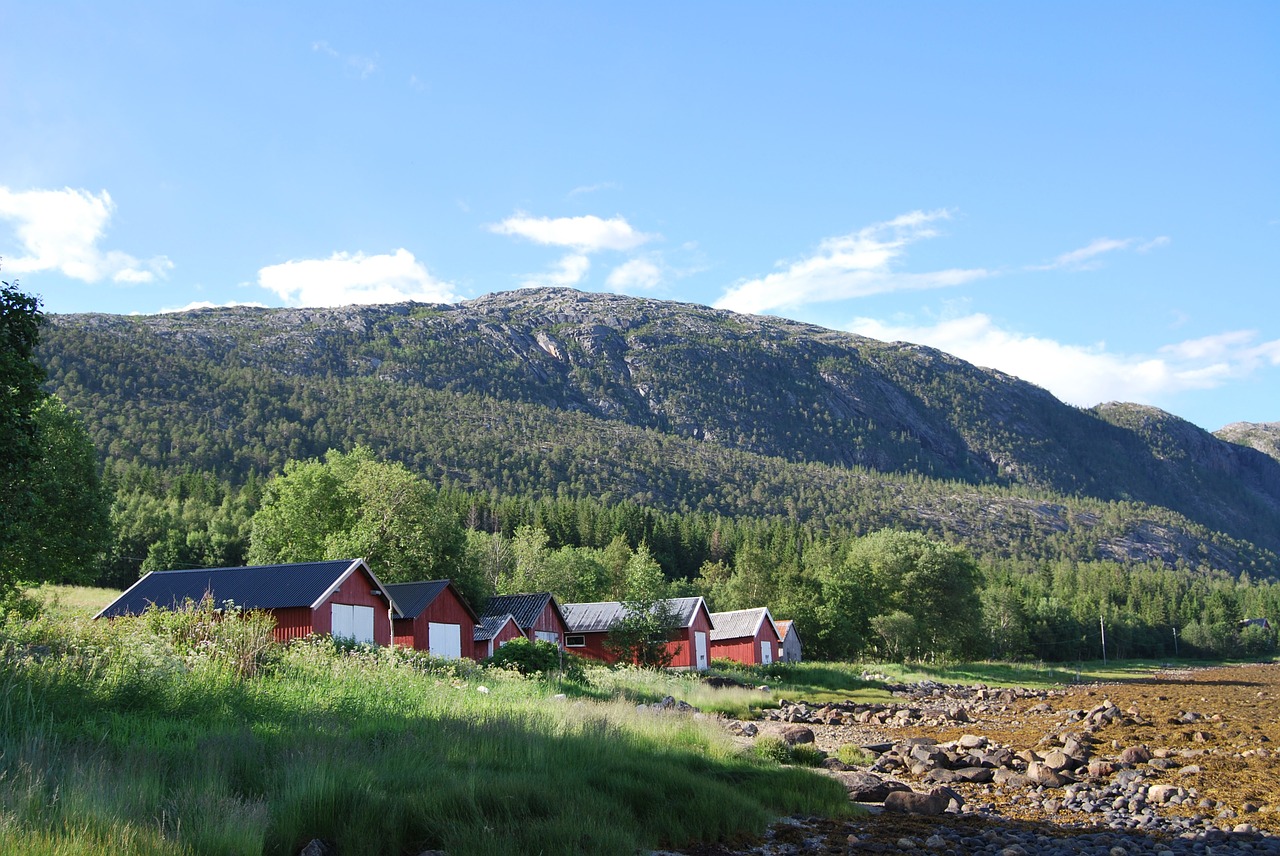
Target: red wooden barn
(341,597)
(745,635)
(589,625)
(494,632)
(537,615)
(433,617)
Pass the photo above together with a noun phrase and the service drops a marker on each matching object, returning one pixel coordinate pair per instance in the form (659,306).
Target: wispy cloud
(569,271)
(1086,374)
(61,230)
(361,66)
(859,264)
(587,234)
(635,275)
(206,304)
(346,278)
(594,188)
(1089,256)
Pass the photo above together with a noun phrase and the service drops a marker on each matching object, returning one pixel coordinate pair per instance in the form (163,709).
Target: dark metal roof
(413,598)
(490,626)
(740,623)
(525,608)
(600,616)
(256,587)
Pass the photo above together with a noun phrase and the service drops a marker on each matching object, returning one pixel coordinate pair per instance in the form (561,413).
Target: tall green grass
(185,735)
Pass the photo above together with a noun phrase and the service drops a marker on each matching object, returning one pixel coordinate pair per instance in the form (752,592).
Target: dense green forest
(553,440)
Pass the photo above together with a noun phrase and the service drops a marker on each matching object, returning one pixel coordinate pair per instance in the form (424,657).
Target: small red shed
(433,617)
(342,598)
(537,615)
(492,633)
(745,635)
(589,625)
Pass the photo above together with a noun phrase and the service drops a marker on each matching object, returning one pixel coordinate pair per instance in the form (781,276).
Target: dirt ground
(1225,720)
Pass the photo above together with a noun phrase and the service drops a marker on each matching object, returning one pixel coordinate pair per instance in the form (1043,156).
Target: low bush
(854,755)
(538,659)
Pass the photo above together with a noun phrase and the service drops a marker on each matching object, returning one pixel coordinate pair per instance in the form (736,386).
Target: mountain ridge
(757,385)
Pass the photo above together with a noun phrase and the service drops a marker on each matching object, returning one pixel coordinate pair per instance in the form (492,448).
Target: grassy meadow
(179,734)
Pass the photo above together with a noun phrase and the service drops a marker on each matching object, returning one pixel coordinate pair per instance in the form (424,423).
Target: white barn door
(352,622)
(444,640)
(700,649)
(766,652)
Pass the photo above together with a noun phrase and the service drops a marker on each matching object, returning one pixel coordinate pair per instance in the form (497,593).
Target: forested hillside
(676,407)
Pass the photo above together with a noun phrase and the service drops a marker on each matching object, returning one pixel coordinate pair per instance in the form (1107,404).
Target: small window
(575,641)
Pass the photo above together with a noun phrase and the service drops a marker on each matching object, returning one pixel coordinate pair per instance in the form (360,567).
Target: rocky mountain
(672,404)
(1263,436)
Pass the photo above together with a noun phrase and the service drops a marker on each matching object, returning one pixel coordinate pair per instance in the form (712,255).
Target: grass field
(182,734)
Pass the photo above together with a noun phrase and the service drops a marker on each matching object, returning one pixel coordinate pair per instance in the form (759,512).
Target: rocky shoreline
(1136,771)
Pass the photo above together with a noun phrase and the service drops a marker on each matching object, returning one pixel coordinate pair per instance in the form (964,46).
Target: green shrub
(772,749)
(538,659)
(807,755)
(854,755)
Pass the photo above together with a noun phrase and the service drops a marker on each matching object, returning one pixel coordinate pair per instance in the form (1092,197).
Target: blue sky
(1086,195)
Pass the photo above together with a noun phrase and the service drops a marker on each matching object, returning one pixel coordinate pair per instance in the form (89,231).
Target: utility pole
(1175,641)
(1104,639)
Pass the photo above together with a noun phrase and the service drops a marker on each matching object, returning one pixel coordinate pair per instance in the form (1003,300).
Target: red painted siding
(595,647)
(508,632)
(682,643)
(746,649)
(548,620)
(447,608)
(292,623)
(356,590)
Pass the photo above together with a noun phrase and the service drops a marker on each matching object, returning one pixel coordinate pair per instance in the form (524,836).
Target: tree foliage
(353,505)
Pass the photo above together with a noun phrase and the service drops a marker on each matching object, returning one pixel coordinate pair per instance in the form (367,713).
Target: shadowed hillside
(680,406)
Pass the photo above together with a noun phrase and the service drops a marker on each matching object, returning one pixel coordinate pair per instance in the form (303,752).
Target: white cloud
(854,265)
(594,188)
(1088,374)
(61,229)
(206,304)
(346,278)
(635,275)
(569,271)
(361,66)
(1087,257)
(587,234)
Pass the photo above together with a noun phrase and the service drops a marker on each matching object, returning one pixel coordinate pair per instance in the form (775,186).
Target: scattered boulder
(796,734)
(868,787)
(931,804)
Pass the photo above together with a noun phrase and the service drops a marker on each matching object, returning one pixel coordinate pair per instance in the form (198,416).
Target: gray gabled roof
(741,623)
(413,598)
(491,626)
(525,608)
(600,616)
(303,584)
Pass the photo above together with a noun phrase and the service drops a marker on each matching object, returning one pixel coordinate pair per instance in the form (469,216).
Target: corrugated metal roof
(412,598)
(525,608)
(592,617)
(785,626)
(255,587)
(739,623)
(599,616)
(491,626)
